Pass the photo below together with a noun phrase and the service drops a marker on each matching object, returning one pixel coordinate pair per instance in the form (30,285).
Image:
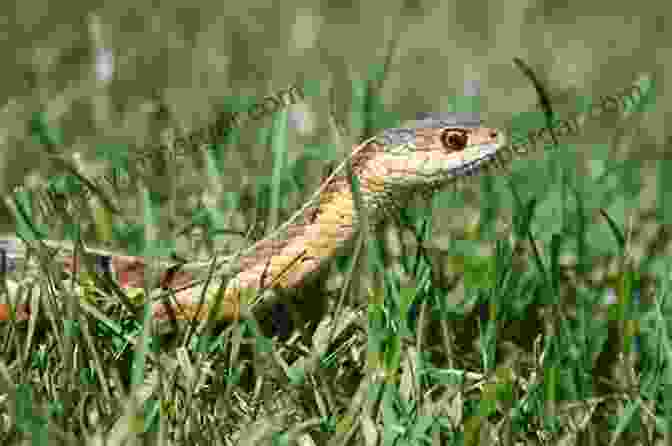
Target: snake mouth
(487,154)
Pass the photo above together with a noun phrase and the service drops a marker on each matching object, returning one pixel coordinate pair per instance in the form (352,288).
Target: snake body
(391,167)
(420,157)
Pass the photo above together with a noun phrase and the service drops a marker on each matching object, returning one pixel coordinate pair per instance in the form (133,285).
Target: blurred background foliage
(176,66)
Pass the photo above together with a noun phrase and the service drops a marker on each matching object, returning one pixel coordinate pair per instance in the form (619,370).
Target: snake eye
(454,139)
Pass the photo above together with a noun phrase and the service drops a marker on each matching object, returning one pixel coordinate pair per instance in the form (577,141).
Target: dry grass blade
(544,100)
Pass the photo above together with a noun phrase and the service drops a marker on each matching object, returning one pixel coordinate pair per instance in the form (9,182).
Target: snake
(422,156)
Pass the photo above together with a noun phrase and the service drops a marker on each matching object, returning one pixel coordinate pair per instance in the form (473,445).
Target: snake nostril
(493,133)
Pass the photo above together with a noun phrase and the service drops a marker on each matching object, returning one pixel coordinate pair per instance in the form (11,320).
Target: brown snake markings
(391,167)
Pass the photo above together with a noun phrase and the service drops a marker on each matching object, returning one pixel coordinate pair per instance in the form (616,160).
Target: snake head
(428,153)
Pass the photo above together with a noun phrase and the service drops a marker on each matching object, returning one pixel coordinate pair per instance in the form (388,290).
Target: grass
(529,353)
